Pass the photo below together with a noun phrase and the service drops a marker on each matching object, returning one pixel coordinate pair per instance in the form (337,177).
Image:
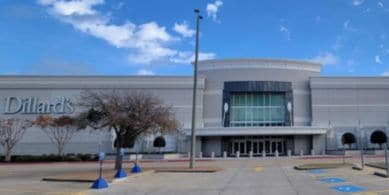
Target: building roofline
(349,77)
(281,60)
(258,63)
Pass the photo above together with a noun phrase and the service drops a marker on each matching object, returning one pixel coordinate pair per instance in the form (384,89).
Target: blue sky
(117,37)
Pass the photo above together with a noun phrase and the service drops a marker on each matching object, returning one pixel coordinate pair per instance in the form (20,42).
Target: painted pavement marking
(258,169)
(348,188)
(317,171)
(333,180)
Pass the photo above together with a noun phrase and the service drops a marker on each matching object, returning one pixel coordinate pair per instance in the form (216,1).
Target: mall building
(243,105)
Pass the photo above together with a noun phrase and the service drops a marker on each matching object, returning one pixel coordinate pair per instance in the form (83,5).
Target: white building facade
(243,105)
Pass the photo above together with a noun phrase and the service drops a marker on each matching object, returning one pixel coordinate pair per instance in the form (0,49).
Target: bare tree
(11,132)
(129,114)
(60,130)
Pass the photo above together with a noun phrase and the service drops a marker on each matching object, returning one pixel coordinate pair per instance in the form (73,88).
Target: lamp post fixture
(225,110)
(193,136)
(289,107)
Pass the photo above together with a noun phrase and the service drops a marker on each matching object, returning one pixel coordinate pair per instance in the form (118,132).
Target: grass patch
(322,166)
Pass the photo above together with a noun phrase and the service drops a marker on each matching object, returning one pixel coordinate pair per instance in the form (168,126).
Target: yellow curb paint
(258,169)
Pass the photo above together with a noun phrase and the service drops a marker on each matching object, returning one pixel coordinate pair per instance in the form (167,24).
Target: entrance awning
(244,131)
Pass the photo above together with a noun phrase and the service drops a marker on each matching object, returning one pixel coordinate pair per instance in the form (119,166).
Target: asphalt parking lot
(243,176)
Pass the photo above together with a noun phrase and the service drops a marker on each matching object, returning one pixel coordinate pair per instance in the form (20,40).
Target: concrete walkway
(247,179)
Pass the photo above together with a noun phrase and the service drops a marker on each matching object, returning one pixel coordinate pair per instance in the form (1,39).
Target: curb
(68,180)
(115,180)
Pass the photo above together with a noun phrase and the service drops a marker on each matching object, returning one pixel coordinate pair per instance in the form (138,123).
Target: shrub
(378,137)
(348,139)
(159,142)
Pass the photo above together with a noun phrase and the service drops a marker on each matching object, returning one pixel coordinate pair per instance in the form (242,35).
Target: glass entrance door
(269,145)
(239,145)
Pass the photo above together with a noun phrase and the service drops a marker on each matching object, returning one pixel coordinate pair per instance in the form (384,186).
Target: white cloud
(380,4)
(358,2)
(145,72)
(285,30)
(346,23)
(213,8)
(386,73)
(189,57)
(326,58)
(346,26)
(183,29)
(377,59)
(147,43)
(66,8)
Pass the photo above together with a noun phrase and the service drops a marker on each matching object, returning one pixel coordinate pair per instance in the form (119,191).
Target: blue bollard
(99,183)
(136,169)
(120,173)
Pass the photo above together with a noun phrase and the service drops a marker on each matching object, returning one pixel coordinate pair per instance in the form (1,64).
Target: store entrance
(258,145)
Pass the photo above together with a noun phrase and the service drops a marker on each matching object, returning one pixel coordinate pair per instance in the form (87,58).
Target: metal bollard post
(100,182)
(237,154)
(276,153)
(289,153)
(264,154)
(201,155)
(213,155)
(224,154)
(313,152)
(251,154)
(301,153)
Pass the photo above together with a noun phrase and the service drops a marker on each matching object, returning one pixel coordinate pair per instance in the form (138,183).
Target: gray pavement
(238,176)
(253,177)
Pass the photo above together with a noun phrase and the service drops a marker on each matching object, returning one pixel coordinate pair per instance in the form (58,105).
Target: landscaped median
(310,166)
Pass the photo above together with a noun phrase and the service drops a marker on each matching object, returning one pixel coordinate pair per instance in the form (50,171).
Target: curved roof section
(258,63)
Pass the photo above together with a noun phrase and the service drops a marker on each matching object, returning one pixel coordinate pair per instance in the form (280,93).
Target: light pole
(361,143)
(193,136)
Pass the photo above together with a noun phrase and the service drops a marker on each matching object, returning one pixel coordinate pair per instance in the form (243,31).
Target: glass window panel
(257,109)
(277,100)
(277,114)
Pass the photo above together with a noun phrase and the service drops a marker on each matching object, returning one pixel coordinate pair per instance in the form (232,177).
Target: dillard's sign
(33,105)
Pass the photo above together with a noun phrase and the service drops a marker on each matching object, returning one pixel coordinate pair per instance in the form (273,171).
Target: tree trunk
(119,158)
(61,151)
(7,154)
